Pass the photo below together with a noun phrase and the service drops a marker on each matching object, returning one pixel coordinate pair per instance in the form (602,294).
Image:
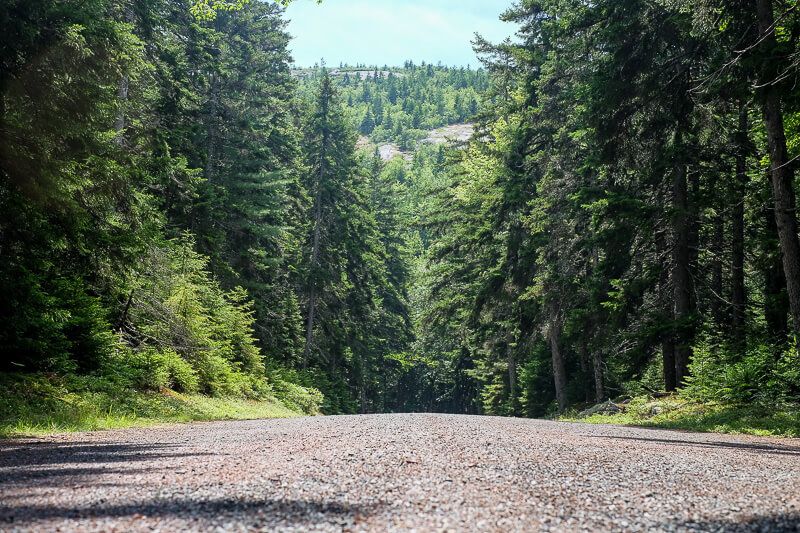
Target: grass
(39,405)
(678,413)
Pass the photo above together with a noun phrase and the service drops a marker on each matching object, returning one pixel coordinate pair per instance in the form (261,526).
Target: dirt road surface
(399,473)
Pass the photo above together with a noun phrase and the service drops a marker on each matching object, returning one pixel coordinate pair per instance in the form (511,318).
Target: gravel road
(399,473)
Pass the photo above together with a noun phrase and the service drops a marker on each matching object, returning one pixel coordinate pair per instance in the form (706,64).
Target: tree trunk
(512,379)
(681,276)
(316,240)
(596,357)
(333,362)
(3,142)
(384,391)
(362,386)
(776,301)
(211,141)
(597,365)
(123,86)
(123,318)
(312,296)
(592,333)
(312,311)
(785,216)
(668,312)
(559,372)
(782,173)
(585,370)
(718,310)
(122,95)
(738,296)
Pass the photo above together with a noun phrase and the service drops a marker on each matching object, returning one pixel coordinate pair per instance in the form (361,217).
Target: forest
(183,210)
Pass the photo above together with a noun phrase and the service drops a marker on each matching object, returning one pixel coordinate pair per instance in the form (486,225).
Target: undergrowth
(41,404)
(677,412)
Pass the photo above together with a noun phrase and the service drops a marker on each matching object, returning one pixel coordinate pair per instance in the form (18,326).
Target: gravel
(399,473)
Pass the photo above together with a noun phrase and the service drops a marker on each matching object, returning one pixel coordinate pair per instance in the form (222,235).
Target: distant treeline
(402,105)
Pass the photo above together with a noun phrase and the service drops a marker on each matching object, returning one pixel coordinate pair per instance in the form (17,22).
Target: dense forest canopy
(182,208)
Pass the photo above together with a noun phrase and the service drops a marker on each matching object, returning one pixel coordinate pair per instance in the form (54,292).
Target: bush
(51,324)
(217,378)
(651,378)
(191,334)
(761,376)
(147,370)
(180,330)
(151,369)
(183,378)
(304,399)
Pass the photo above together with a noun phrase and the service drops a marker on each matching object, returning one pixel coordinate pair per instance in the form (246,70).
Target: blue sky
(391,31)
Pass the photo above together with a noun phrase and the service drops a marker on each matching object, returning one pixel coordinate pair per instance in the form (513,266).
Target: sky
(378,32)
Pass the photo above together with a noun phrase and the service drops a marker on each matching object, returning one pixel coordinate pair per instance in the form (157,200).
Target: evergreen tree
(346,272)
(368,124)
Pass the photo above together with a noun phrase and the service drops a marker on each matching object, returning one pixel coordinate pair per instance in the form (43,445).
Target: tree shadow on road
(753,447)
(26,467)
(36,464)
(52,453)
(780,523)
(38,477)
(253,513)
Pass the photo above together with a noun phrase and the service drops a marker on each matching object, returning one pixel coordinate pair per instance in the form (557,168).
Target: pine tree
(368,124)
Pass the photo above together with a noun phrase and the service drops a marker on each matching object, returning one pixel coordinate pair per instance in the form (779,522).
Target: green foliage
(357,277)
(688,415)
(402,105)
(70,209)
(237,126)
(179,210)
(760,376)
(62,329)
(35,404)
(302,399)
(154,370)
(176,307)
(149,370)
(115,264)
(207,9)
(593,234)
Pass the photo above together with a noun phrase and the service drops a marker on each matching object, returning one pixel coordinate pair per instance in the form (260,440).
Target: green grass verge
(678,413)
(38,405)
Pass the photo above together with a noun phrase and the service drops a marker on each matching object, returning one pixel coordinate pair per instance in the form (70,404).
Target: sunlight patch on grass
(48,408)
(677,413)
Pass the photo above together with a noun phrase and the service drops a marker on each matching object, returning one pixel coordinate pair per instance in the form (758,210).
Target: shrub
(203,334)
(152,369)
(304,399)
(179,330)
(52,324)
(182,377)
(760,376)
(651,378)
(148,371)
(217,378)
